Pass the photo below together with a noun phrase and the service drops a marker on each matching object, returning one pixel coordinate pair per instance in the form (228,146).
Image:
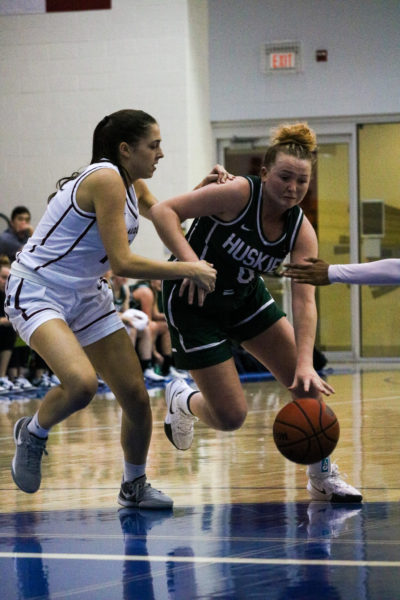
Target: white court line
(204,559)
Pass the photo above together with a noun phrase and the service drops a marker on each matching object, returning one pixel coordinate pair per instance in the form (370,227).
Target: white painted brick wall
(61,73)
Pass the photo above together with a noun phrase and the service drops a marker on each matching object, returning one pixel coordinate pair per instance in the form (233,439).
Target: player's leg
(58,346)
(115,359)
(219,402)
(276,349)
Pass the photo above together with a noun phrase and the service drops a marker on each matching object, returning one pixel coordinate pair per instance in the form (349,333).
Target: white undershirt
(379,272)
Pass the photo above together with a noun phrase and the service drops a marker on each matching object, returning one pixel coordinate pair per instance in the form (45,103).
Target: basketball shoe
(332,487)
(152,376)
(26,464)
(139,494)
(178,424)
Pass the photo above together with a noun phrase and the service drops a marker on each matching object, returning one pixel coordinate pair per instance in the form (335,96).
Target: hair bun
(296,133)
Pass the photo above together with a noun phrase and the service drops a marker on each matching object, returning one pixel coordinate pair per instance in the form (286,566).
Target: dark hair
(126,125)
(4,261)
(20,210)
(295,140)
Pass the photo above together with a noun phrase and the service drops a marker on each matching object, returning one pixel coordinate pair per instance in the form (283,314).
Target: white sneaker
(23,383)
(332,488)
(178,373)
(44,381)
(54,379)
(8,385)
(151,375)
(178,425)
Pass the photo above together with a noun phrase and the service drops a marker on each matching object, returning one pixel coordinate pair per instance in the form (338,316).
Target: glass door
(327,207)
(379,209)
(334,334)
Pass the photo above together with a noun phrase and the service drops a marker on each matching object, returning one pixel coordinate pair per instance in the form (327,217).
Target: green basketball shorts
(203,336)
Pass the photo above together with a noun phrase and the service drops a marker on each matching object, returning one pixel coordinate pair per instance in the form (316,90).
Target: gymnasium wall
(361,75)
(63,72)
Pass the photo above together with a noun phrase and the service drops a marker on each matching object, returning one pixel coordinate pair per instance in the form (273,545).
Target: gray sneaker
(25,469)
(139,494)
(178,425)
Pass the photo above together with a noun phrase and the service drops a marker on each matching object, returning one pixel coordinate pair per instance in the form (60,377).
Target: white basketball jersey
(66,247)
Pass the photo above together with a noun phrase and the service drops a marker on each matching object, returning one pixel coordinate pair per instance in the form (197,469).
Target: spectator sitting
(7,333)
(147,295)
(137,325)
(16,235)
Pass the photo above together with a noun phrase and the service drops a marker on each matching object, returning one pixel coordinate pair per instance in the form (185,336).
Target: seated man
(16,235)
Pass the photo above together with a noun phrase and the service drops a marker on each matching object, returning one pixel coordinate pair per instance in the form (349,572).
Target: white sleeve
(378,272)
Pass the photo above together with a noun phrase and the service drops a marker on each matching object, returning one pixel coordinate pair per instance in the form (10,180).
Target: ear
(125,149)
(263,173)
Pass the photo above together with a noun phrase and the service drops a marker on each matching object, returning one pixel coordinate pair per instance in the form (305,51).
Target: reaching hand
(308,381)
(203,281)
(192,290)
(315,273)
(218,175)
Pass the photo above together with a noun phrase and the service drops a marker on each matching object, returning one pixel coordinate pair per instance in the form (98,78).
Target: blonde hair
(296,139)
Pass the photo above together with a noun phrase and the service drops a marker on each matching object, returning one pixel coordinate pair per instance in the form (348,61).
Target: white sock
(132,472)
(322,468)
(35,428)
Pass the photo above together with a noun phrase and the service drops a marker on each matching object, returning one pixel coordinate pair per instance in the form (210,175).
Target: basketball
(306,431)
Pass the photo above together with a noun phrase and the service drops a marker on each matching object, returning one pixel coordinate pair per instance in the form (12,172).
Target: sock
(320,469)
(145,363)
(132,472)
(166,364)
(35,428)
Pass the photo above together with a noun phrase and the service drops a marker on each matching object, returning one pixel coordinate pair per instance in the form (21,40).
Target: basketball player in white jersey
(59,304)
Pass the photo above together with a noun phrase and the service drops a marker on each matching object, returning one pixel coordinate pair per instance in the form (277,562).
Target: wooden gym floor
(242,526)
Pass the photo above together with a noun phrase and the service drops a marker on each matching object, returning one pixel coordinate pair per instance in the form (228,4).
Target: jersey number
(245,275)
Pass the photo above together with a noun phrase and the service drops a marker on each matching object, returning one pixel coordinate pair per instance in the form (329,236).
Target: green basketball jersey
(238,249)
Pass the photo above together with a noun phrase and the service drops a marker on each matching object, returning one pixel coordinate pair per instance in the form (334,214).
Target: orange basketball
(306,431)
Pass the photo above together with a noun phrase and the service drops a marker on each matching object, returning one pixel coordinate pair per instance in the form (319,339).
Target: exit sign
(282,60)
(281,57)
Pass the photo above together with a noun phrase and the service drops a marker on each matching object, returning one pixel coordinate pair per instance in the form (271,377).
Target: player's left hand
(218,175)
(308,381)
(192,289)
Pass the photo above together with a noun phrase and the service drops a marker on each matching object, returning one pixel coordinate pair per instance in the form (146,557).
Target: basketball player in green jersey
(245,227)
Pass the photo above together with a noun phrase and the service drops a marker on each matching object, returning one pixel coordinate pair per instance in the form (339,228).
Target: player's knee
(233,420)
(81,390)
(134,401)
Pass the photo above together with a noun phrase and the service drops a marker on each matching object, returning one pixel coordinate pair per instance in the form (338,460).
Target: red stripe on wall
(68,5)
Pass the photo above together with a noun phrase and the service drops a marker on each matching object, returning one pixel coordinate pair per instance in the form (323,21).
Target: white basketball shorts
(90,313)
